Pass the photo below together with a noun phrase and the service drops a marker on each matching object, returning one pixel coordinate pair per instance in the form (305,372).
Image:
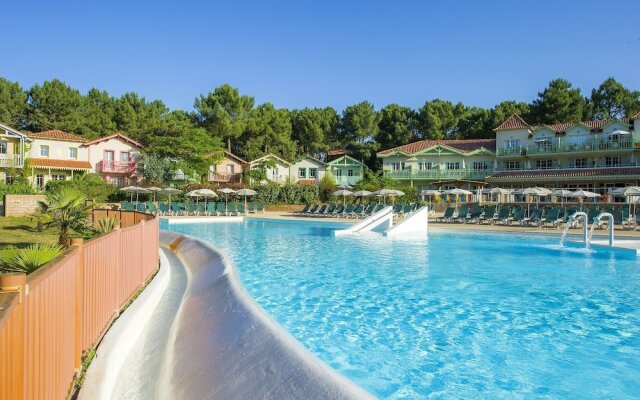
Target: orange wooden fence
(50,317)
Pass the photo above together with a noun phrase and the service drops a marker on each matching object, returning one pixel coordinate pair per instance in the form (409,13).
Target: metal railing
(563,146)
(118,167)
(439,174)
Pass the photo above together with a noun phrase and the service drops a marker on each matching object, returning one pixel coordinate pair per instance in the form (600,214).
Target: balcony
(564,147)
(117,167)
(439,174)
(226,178)
(11,161)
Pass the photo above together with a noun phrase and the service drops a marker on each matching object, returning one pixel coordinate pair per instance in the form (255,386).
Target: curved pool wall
(223,345)
(195,333)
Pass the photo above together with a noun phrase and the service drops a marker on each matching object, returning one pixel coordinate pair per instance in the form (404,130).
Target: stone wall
(21,204)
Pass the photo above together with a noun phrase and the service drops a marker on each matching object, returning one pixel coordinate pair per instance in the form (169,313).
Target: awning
(46,163)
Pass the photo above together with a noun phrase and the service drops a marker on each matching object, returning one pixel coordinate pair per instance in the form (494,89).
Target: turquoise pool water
(454,316)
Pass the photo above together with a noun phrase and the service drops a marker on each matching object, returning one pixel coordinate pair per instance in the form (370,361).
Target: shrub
(288,194)
(28,259)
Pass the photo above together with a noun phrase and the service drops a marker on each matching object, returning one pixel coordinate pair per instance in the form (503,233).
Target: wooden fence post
(79,243)
(17,283)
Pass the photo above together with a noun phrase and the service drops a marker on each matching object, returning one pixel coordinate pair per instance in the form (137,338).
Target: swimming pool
(457,315)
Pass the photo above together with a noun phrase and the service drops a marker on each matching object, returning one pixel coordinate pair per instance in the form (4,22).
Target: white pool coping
(220,345)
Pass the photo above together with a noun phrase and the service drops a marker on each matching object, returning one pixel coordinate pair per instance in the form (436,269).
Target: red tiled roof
(338,152)
(574,172)
(57,135)
(466,146)
(60,164)
(513,122)
(114,136)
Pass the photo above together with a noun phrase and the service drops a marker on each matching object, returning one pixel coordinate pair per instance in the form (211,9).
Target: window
(613,161)
(302,173)
(125,156)
(350,172)
(58,177)
(511,165)
(40,180)
(312,172)
(73,153)
(480,165)
(230,169)
(453,165)
(425,165)
(108,155)
(338,172)
(544,164)
(511,143)
(580,162)
(117,181)
(4,147)
(44,151)
(8,179)
(397,166)
(274,171)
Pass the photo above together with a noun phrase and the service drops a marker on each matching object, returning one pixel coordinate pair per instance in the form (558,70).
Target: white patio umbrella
(154,190)
(345,187)
(533,191)
(362,193)
(629,191)
(431,193)
(137,190)
(562,193)
(206,193)
(343,193)
(131,190)
(457,192)
(196,194)
(226,192)
(383,193)
(245,193)
(500,192)
(170,191)
(582,194)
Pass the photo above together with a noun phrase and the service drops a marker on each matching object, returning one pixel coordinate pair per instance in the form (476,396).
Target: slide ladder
(383,216)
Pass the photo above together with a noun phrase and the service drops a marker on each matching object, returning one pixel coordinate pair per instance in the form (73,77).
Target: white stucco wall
(58,150)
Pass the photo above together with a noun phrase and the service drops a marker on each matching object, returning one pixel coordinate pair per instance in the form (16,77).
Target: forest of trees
(226,118)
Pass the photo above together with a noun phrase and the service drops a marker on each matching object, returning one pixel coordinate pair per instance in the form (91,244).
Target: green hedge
(287,194)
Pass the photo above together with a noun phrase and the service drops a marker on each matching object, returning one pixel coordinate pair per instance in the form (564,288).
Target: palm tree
(66,210)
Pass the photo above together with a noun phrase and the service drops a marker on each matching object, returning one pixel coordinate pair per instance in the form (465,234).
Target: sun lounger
(251,207)
(260,207)
(347,210)
(232,209)
(312,210)
(304,210)
(221,209)
(448,215)
(487,215)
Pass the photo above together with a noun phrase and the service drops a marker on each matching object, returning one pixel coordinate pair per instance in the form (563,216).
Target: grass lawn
(21,232)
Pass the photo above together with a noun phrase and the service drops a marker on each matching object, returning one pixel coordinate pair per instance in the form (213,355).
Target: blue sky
(323,53)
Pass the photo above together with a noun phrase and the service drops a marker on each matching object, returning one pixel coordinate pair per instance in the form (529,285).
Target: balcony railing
(117,167)
(11,161)
(561,147)
(228,178)
(439,174)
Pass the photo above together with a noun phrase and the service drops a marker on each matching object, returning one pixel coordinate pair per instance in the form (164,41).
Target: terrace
(465,173)
(12,161)
(567,146)
(117,167)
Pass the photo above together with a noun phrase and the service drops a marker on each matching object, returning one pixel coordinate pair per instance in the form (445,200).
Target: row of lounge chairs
(208,209)
(351,210)
(546,216)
